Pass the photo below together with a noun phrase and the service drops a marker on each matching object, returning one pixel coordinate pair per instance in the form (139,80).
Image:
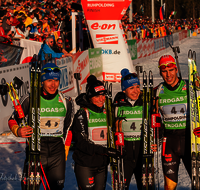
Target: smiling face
(133,92)
(169,75)
(51,85)
(98,100)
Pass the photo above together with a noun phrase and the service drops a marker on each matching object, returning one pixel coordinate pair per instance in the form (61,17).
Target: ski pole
(176,50)
(77,76)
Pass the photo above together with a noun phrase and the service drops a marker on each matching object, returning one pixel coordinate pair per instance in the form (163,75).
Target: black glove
(111,152)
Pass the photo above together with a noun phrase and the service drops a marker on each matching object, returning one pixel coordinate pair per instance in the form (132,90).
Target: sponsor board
(99,9)
(107,38)
(95,62)
(66,78)
(6,76)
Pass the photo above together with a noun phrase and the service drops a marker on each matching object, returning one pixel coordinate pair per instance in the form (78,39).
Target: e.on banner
(104,22)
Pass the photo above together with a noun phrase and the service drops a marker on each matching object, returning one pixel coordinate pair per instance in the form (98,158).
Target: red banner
(105,9)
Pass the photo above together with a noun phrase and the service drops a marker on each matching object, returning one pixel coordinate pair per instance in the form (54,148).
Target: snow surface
(12,153)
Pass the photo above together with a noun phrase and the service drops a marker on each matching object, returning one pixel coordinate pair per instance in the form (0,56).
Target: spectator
(46,48)
(45,26)
(58,48)
(2,33)
(7,22)
(33,30)
(29,19)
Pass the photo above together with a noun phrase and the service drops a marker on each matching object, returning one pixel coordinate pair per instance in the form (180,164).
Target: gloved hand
(114,153)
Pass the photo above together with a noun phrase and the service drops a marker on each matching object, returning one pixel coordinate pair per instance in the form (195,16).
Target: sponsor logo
(168,157)
(91,180)
(60,100)
(132,112)
(110,51)
(169,164)
(96,26)
(107,38)
(176,125)
(184,87)
(170,171)
(99,88)
(52,109)
(80,117)
(178,99)
(97,120)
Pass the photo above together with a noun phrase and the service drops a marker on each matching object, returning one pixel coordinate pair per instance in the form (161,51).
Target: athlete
(172,95)
(129,104)
(90,134)
(57,114)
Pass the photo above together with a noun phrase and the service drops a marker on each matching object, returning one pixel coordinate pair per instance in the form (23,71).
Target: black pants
(133,163)
(175,148)
(53,162)
(91,178)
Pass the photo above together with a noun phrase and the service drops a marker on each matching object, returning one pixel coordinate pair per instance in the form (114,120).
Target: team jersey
(174,106)
(131,127)
(52,117)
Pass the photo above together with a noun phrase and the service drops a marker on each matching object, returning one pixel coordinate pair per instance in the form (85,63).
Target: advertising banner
(10,54)
(66,79)
(168,39)
(132,46)
(81,65)
(145,47)
(182,35)
(95,62)
(6,76)
(30,48)
(159,44)
(103,18)
(105,9)
(175,38)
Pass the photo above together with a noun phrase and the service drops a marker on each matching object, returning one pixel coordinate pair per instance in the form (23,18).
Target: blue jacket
(45,49)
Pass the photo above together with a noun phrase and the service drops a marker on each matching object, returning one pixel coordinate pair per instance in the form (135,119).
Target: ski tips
(190,54)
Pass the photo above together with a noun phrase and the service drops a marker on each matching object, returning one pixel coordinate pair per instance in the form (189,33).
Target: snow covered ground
(12,149)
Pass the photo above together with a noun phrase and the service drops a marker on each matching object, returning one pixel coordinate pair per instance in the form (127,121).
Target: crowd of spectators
(39,19)
(142,27)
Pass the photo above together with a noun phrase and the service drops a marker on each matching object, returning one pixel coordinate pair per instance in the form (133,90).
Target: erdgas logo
(178,99)
(52,110)
(97,120)
(132,112)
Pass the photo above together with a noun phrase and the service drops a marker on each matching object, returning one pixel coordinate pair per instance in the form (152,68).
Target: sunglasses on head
(51,69)
(132,75)
(164,65)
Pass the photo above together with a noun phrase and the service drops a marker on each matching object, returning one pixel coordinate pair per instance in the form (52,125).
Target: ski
(148,132)
(116,165)
(34,169)
(197,122)
(110,135)
(145,133)
(193,121)
(150,135)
